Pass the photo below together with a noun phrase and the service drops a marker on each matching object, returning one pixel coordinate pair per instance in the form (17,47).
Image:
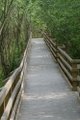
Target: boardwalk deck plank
(47,95)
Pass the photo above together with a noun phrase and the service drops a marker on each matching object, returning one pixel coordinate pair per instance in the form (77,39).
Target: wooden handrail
(65,55)
(69,66)
(10,95)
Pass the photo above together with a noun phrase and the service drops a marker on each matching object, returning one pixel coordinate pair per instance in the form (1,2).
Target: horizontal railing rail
(51,44)
(69,66)
(10,95)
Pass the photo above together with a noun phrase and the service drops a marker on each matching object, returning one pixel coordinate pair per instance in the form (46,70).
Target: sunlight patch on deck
(46,97)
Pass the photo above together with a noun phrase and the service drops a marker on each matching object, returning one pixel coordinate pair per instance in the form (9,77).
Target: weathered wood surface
(69,66)
(47,95)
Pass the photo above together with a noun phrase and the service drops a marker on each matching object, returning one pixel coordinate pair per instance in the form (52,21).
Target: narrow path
(47,95)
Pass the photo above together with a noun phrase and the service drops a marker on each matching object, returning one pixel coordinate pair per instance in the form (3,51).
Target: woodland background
(58,18)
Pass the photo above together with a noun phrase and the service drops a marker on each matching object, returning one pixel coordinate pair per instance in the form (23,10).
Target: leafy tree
(61,20)
(14,27)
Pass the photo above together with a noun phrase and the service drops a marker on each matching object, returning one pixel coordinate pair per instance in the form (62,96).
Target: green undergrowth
(2,77)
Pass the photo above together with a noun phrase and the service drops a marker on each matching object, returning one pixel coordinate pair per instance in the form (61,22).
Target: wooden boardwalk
(47,95)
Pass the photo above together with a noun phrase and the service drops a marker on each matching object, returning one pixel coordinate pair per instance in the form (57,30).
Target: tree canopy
(14,27)
(59,18)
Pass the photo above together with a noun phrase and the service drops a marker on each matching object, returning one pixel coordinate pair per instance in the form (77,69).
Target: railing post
(57,52)
(74,74)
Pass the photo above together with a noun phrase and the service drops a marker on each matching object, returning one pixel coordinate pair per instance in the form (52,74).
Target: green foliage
(14,27)
(1,77)
(61,19)
(34,12)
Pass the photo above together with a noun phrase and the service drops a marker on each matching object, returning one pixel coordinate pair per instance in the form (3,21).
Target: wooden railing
(69,66)
(10,95)
(51,44)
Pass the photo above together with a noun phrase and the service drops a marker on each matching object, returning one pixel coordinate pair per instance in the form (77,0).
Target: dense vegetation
(14,28)
(59,18)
